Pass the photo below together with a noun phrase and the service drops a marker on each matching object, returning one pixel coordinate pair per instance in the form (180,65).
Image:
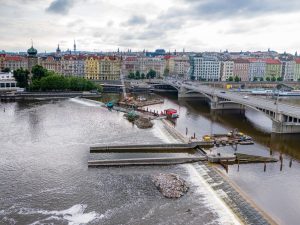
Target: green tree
(55,82)
(273,79)
(38,72)
(6,70)
(237,79)
(35,85)
(268,78)
(261,79)
(21,76)
(131,75)
(137,75)
(255,78)
(166,72)
(193,77)
(279,78)
(230,79)
(143,76)
(151,74)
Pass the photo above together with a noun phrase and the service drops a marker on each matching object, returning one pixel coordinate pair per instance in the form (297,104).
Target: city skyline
(206,25)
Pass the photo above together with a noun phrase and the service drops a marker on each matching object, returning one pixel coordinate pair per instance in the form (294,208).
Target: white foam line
(163,134)
(86,102)
(212,200)
(74,215)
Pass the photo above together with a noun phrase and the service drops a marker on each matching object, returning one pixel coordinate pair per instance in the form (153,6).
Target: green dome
(32,51)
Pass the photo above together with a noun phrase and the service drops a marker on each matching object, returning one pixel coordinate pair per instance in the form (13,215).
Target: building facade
(288,70)
(158,64)
(91,68)
(109,68)
(73,65)
(205,68)
(273,68)
(297,70)
(130,65)
(15,62)
(51,63)
(226,70)
(2,59)
(241,69)
(257,69)
(7,82)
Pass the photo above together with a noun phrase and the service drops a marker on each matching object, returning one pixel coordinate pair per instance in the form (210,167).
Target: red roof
(240,60)
(297,60)
(14,58)
(131,58)
(273,61)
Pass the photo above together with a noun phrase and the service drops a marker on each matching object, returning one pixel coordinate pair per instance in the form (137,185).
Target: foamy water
(211,200)
(160,132)
(86,102)
(74,215)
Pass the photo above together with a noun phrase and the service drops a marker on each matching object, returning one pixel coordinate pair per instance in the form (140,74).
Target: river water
(276,189)
(45,179)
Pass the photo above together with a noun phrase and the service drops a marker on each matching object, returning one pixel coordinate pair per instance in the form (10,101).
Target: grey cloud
(60,6)
(216,9)
(136,20)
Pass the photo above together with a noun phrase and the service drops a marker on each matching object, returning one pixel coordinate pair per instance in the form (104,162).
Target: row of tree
(44,80)
(137,75)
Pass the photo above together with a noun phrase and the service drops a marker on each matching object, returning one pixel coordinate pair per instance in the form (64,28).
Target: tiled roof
(272,61)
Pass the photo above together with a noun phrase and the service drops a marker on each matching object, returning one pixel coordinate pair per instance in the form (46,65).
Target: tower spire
(74,46)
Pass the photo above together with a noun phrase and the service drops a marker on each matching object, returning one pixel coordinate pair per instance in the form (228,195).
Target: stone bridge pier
(283,124)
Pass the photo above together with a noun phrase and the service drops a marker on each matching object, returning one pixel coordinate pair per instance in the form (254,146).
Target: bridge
(285,117)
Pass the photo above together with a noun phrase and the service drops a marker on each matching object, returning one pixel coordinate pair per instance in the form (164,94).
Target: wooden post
(291,162)
(238,165)
(265,166)
(186,131)
(194,135)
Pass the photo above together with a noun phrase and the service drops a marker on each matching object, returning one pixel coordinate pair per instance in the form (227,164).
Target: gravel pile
(170,185)
(143,123)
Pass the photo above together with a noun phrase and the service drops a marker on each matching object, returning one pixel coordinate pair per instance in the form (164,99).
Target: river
(45,178)
(276,190)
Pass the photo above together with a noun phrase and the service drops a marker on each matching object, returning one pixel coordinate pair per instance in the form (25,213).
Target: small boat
(174,116)
(246,142)
(110,105)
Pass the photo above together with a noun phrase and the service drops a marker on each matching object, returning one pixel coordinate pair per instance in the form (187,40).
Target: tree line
(45,80)
(137,75)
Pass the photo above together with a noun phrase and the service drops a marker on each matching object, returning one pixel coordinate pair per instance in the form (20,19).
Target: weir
(145,161)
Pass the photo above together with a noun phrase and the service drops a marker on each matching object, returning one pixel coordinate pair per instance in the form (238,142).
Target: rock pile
(170,185)
(143,123)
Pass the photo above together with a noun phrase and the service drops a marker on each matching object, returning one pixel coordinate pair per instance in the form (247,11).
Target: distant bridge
(285,117)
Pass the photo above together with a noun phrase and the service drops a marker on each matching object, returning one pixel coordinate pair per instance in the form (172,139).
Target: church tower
(74,46)
(32,57)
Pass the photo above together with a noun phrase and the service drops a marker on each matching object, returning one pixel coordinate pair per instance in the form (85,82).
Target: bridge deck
(251,101)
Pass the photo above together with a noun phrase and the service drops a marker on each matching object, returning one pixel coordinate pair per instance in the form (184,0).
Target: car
(223,92)
(245,97)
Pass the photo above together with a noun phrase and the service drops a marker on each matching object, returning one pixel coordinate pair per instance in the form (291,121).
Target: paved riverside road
(251,101)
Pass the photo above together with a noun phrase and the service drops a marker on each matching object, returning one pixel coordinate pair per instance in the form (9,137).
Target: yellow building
(297,70)
(91,68)
(273,68)
(2,59)
(109,68)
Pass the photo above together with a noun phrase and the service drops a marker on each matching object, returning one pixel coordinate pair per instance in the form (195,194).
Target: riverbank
(45,95)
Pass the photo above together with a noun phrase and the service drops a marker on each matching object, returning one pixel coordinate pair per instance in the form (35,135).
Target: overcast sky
(196,25)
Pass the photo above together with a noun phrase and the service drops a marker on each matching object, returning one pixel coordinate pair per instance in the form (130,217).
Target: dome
(32,51)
